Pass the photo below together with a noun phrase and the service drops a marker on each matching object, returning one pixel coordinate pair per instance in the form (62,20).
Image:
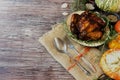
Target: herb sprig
(78,5)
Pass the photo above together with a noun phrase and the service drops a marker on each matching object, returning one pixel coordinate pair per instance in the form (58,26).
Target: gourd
(108,5)
(115,43)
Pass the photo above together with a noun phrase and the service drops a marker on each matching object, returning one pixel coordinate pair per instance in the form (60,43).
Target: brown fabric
(93,55)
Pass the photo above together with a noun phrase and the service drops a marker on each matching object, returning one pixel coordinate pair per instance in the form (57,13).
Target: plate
(93,43)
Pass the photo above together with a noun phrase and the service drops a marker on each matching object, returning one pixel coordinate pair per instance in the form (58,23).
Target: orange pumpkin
(110,63)
(117,26)
(115,43)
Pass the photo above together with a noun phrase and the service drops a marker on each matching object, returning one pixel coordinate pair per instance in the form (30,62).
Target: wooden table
(22,57)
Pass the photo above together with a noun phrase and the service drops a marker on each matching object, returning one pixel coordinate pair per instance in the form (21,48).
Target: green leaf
(78,5)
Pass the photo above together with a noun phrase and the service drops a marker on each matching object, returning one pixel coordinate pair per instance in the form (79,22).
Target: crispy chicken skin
(94,35)
(87,26)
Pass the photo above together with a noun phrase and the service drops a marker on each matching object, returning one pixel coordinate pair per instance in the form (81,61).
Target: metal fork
(71,46)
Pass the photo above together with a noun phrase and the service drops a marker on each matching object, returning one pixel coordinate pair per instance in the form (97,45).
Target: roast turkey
(87,26)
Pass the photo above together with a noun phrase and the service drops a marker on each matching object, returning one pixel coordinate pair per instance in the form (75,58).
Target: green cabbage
(108,5)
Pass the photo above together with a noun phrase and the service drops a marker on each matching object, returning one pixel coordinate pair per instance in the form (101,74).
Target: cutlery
(71,46)
(61,46)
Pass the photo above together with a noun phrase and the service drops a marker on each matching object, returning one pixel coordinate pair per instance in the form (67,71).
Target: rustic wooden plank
(22,57)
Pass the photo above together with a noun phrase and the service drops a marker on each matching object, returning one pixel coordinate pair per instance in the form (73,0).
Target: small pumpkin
(117,26)
(115,43)
(108,5)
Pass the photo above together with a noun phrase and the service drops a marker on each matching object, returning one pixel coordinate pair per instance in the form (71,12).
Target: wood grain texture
(22,57)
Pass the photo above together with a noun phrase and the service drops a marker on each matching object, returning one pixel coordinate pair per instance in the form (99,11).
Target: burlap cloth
(93,55)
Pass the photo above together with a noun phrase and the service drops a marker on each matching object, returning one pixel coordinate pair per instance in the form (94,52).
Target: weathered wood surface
(22,57)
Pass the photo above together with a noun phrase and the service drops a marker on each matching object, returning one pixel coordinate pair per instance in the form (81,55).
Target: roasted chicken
(87,26)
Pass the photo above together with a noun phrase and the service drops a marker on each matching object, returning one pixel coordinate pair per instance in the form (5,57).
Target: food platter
(90,43)
(109,12)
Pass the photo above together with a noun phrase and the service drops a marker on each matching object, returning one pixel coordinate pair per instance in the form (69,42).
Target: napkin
(93,55)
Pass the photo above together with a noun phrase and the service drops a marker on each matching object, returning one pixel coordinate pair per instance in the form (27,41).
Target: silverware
(61,46)
(71,46)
